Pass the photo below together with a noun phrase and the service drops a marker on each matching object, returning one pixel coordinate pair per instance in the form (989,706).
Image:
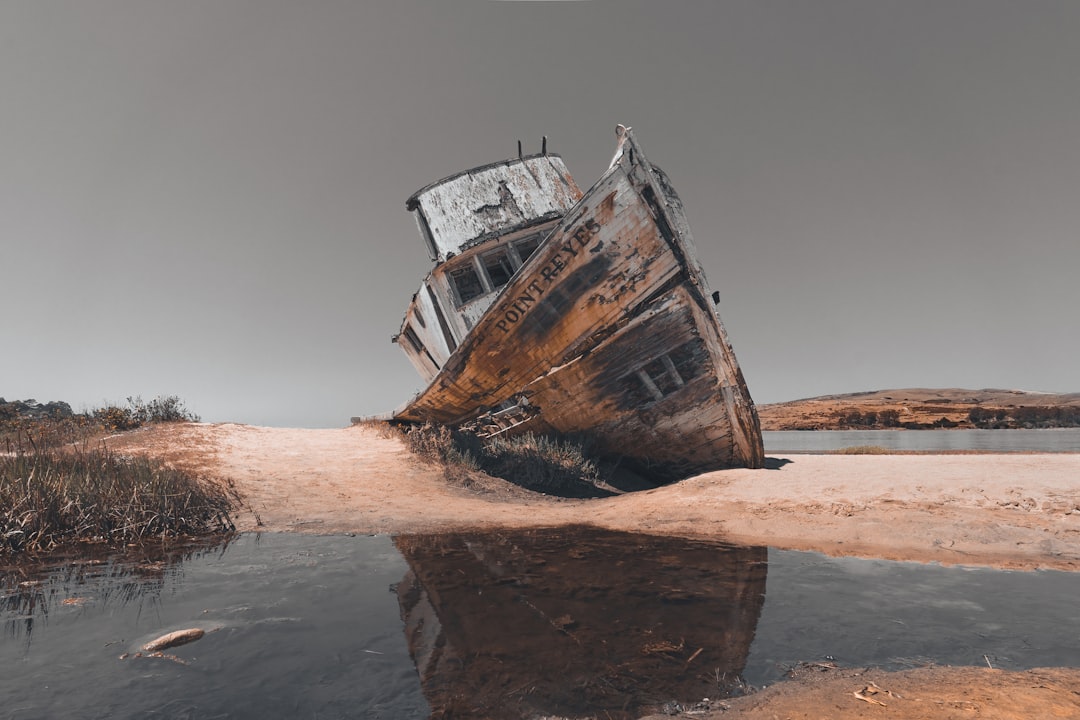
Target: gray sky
(207,198)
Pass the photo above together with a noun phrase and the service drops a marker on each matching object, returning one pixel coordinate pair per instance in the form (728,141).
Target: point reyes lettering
(570,246)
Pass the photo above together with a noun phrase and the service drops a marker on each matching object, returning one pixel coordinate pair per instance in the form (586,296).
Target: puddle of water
(901,614)
(508,624)
(302,626)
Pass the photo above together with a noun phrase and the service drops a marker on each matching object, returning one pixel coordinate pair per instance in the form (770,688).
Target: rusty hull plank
(681,431)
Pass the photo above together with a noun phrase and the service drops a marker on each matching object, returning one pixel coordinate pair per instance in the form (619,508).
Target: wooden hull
(609,330)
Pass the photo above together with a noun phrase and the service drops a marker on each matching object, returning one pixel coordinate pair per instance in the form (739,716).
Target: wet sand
(1009,511)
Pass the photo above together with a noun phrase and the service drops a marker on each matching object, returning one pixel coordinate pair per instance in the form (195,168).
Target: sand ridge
(1015,510)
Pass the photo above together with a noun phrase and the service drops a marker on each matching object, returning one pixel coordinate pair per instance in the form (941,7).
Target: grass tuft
(558,466)
(540,462)
(864,450)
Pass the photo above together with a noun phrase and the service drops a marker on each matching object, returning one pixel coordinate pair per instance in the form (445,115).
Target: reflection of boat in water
(567,621)
(555,311)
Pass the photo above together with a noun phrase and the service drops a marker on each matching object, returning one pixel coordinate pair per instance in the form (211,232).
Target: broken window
(499,267)
(664,375)
(466,283)
(470,279)
(689,359)
(526,246)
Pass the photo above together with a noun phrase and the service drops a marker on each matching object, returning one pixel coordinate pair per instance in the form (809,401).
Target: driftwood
(179,637)
(867,693)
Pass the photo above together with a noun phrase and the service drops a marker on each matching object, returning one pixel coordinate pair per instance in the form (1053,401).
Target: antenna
(519,150)
(543,148)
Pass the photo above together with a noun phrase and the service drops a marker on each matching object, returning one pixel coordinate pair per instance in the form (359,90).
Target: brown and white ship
(554,311)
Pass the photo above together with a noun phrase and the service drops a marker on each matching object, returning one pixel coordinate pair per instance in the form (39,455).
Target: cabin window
(491,271)
(499,267)
(526,246)
(419,318)
(664,375)
(689,359)
(466,283)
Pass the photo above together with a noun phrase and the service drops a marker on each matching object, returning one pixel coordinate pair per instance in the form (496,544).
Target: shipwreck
(556,311)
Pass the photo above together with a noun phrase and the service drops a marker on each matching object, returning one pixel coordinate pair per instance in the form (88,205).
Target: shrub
(138,413)
(890,418)
(115,418)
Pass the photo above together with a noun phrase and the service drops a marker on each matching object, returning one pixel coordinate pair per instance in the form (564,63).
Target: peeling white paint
(493,201)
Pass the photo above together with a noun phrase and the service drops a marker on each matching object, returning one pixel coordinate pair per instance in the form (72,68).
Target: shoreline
(1014,511)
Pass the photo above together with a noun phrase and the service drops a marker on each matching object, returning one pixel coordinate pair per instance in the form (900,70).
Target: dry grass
(558,466)
(864,450)
(59,484)
(541,463)
(51,497)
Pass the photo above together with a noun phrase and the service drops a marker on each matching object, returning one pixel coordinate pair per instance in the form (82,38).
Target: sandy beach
(1019,511)
(1014,511)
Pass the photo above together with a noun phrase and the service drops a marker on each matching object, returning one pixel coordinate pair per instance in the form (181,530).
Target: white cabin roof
(468,208)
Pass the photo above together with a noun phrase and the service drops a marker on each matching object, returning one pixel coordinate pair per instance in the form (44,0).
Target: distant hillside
(923,408)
